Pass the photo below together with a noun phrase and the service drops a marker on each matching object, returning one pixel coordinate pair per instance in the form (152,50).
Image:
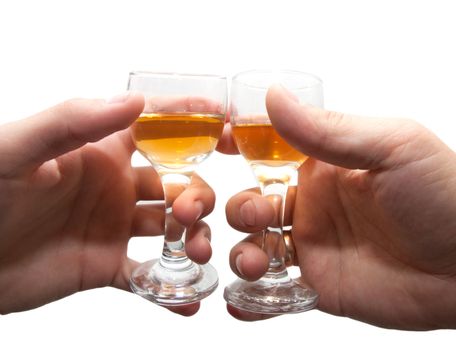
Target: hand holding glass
(274,164)
(180,126)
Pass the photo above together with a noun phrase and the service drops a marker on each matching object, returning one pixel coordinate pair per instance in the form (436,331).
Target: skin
(373,217)
(68,203)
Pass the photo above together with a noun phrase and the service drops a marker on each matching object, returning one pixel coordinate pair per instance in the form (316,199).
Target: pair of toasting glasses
(180,126)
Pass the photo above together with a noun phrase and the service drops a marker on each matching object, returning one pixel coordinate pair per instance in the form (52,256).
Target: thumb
(340,139)
(26,144)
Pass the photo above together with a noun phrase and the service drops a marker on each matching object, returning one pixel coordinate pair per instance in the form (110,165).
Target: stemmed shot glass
(180,126)
(274,164)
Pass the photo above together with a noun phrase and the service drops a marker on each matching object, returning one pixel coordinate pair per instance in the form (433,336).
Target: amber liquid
(177,140)
(261,144)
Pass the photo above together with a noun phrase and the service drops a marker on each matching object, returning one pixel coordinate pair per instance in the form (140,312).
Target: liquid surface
(177,140)
(261,144)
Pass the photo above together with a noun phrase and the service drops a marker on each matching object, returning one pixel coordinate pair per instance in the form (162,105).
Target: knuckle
(408,131)
(335,118)
(409,141)
(77,106)
(71,107)
(413,128)
(337,122)
(330,127)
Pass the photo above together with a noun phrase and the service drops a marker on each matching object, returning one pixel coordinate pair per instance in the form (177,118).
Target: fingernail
(288,93)
(119,98)
(238,264)
(247,213)
(199,208)
(207,234)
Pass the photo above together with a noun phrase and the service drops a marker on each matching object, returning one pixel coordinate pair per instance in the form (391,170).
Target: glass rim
(170,74)
(317,81)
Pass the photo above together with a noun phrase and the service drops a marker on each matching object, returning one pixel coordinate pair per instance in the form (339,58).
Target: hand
(373,217)
(68,203)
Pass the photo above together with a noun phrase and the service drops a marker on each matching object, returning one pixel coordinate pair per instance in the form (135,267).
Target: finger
(194,203)
(226,143)
(185,310)
(197,243)
(247,260)
(249,212)
(27,144)
(148,220)
(243,315)
(148,184)
(121,281)
(340,139)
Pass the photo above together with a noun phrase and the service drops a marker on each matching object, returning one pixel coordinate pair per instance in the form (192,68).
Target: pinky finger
(185,310)
(246,315)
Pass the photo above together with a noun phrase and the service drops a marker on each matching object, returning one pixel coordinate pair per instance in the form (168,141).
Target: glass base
(267,297)
(171,286)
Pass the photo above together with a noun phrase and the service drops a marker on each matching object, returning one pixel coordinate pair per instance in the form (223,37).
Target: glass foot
(265,297)
(168,286)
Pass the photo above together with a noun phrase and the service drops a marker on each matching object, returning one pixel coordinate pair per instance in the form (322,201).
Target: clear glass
(274,164)
(180,126)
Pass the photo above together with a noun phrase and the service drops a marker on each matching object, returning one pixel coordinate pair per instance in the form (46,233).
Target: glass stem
(273,244)
(173,255)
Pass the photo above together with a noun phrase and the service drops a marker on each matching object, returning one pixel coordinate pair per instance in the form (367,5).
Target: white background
(390,58)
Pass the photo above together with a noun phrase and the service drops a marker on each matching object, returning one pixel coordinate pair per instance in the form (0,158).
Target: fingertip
(248,261)
(246,316)
(236,313)
(197,245)
(253,266)
(188,210)
(226,142)
(197,201)
(124,97)
(137,100)
(298,124)
(279,91)
(249,212)
(282,104)
(137,97)
(185,310)
(92,119)
(129,105)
